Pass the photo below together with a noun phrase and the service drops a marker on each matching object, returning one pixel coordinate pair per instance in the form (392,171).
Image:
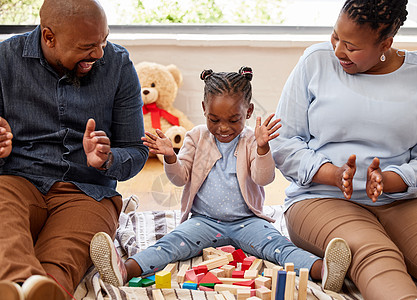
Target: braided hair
(228,83)
(387,16)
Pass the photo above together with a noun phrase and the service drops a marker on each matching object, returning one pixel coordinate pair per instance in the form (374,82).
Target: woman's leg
(400,221)
(377,268)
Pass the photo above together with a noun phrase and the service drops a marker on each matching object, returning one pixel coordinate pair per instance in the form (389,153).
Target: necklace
(400,54)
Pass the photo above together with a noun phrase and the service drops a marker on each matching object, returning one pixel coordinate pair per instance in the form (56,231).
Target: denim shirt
(48,116)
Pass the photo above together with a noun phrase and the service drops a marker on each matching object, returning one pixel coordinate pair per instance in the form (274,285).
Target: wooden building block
(251,274)
(302,284)
(200,269)
(228,280)
(290,286)
(289,267)
(221,297)
(263,281)
(171,268)
(269,265)
(254,298)
(163,280)
(243,294)
(206,252)
(227,295)
(218,272)
(238,274)
(210,278)
(215,263)
(157,295)
(246,265)
(205,288)
(229,287)
(191,276)
(264,293)
(181,273)
(256,265)
(135,282)
(275,269)
(238,255)
(281,283)
(249,283)
(228,270)
(268,273)
(190,285)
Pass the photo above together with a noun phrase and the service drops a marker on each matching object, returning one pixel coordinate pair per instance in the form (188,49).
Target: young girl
(223,166)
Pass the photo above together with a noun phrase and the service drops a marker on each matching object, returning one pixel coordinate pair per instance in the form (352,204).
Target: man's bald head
(55,13)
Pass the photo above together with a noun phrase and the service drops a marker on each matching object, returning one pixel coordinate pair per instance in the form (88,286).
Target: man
(71,126)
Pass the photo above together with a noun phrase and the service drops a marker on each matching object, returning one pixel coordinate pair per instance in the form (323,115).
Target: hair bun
(205,74)
(246,72)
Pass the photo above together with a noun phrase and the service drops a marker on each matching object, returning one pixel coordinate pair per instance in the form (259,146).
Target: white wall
(271,57)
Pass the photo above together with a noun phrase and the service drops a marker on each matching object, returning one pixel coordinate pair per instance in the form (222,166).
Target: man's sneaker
(107,261)
(10,291)
(38,287)
(336,262)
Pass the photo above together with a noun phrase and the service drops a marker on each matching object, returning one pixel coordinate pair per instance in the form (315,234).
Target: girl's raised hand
(158,144)
(266,132)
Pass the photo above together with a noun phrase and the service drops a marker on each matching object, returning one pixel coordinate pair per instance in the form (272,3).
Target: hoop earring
(383,58)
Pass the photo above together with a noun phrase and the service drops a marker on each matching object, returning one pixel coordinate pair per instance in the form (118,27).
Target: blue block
(151,277)
(282,278)
(189,285)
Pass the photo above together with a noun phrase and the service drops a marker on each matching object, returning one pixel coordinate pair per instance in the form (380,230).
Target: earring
(383,58)
(247,116)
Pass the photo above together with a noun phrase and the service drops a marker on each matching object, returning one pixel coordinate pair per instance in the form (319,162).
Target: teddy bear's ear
(176,73)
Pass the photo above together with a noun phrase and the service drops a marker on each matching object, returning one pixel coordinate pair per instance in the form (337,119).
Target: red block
(210,278)
(239,255)
(246,265)
(238,274)
(200,269)
(249,283)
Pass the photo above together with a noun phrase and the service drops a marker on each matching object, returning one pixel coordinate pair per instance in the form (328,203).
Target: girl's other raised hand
(158,144)
(265,132)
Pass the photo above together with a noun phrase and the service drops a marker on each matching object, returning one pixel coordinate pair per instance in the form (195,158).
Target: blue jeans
(253,235)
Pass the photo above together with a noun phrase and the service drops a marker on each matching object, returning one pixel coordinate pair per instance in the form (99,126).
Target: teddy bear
(160,85)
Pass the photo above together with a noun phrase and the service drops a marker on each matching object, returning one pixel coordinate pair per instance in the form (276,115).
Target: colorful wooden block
(190,285)
(191,276)
(248,283)
(281,281)
(239,255)
(201,269)
(163,280)
(135,282)
(238,274)
(145,282)
(206,288)
(209,278)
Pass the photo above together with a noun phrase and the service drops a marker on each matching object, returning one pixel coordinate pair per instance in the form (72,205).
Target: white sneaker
(10,290)
(107,261)
(336,262)
(38,287)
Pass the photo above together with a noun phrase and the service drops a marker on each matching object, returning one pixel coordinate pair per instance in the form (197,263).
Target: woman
(348,144)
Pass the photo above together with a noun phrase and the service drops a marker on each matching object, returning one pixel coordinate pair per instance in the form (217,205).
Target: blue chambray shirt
(48,116)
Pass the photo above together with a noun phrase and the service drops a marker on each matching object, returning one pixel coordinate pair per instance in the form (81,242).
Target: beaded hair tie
(246,72)
(205,74)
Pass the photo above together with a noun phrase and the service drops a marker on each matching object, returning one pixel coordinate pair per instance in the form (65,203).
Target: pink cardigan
(198,155)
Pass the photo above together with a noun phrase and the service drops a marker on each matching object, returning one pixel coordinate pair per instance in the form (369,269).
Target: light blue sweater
(327,115)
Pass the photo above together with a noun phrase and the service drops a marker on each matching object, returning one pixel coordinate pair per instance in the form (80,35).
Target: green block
(210,285)
(147,282)
(135,282)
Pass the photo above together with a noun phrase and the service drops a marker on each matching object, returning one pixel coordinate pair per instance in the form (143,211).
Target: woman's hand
(266,132)
(374,180)
(344,176)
